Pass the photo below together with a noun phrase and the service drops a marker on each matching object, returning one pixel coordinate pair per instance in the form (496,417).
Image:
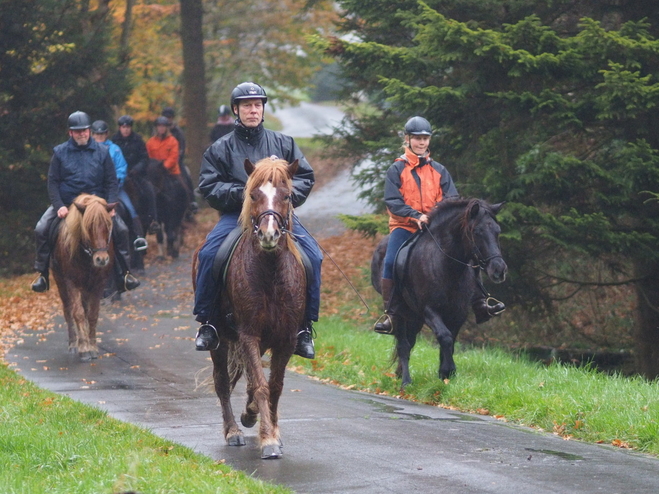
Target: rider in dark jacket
(134,150)
(222,181)
(80,165)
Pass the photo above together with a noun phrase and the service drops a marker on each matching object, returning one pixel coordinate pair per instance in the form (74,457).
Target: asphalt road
(336,441)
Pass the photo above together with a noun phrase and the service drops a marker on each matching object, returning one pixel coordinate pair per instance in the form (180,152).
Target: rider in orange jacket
(414,184)
(164,147)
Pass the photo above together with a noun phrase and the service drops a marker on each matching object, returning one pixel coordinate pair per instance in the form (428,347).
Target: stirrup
(491,306)
(140,244)
(380,322)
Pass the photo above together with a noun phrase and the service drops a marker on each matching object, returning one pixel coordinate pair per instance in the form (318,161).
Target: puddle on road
(386,408)
(560,454)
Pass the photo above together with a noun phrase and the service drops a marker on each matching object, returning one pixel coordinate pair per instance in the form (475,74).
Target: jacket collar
(413,160)
(250,135)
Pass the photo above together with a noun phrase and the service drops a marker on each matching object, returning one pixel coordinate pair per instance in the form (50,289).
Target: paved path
(336,441)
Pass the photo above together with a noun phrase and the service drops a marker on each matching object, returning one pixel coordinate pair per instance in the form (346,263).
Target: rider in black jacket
(80,165)
(133,148)
(222,181)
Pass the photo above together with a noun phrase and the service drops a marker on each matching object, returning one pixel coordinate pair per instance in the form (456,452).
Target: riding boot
(384,325)
(207,338)
(305,347)
(41,284)
(125,280)
(484,311)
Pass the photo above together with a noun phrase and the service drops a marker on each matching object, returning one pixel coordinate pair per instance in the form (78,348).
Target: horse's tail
(235,363)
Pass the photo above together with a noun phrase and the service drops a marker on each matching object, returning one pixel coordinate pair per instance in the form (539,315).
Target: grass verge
(575,403)
(50,443)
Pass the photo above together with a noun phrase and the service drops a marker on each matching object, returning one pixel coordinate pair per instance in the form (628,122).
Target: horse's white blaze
(270,191)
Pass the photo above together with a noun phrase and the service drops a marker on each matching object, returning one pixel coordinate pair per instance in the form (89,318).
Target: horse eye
(287,197)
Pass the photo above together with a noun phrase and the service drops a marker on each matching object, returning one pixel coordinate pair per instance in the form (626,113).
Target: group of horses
(263,298)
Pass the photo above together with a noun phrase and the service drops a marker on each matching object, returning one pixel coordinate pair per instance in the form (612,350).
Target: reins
(480,262)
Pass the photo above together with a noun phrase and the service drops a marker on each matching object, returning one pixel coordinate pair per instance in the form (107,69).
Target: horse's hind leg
(405,341)
(232,433)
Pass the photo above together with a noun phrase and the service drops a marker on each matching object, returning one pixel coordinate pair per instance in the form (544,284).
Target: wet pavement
(335,441)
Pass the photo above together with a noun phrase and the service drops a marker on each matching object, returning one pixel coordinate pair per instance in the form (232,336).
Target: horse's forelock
(78,224)
(266,170)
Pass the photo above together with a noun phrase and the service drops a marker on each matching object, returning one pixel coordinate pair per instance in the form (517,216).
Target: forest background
(549,105)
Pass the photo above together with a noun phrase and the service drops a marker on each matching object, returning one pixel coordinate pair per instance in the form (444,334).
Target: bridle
(90,252)
(481,263)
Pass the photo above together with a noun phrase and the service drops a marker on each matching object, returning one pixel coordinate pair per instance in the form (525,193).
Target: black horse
(442,276)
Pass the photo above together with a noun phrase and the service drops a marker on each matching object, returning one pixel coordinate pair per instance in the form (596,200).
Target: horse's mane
(276,172)
(454,213)
(78,225)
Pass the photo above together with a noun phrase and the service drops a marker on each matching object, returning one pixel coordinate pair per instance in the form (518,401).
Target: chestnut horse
(82,263)
(437,288)
(262,304)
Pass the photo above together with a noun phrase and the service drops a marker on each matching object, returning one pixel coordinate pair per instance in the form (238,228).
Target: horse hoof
(94,354)
(271,452)
(85,356)
(248,420)
(73,350)
(237,440)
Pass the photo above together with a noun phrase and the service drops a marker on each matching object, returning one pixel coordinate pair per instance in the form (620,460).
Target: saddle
(403,256)
(53,231)
(225,253)
(401,265)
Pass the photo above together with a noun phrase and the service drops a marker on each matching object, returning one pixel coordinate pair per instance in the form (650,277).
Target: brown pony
(82,262)
(262,304)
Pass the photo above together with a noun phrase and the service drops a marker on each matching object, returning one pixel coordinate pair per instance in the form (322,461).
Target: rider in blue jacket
(222,181)
(100,131)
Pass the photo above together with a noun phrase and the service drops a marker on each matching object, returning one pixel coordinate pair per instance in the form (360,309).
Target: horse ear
(497,207)
(111,206)
(475,208)
(292,168)
(249,167)
(80,207)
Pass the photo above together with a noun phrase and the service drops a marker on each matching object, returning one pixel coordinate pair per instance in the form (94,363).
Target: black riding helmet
(168,112)
(223,111)
(162,121)
(125,120)
(79,120)
(247,90)
(100,127)
(418,126)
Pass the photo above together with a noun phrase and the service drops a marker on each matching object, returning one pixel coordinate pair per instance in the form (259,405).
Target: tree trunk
(647,319)
(194,84)
(124,42)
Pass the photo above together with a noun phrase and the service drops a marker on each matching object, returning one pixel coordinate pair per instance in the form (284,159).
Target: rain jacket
(76,169)
(412,187)
(134,150)
(222,178)
(166,150)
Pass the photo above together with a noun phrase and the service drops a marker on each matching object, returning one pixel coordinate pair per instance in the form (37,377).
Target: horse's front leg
(446,343)
(65,296)
(269,442)
(278,364)
(232,433)
(91,304)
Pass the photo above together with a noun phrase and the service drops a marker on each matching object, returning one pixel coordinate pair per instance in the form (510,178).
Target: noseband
(282,223)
